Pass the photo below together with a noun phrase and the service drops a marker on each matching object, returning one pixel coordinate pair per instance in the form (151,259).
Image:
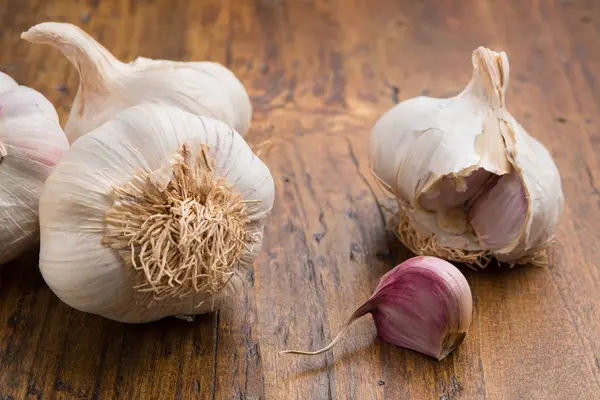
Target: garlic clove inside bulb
(453,191)
(108,86)
(471,183)
(152,214)
(424,304)
(31,143)
(498,214)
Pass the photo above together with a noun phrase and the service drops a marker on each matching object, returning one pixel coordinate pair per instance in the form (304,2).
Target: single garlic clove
(108,86)
(424,304)
(31,143)
(438,156)
(153,214)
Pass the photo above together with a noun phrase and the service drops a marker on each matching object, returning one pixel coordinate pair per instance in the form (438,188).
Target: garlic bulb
(108,85)
(424,304)
(152,214)
(470,182)
(31,142)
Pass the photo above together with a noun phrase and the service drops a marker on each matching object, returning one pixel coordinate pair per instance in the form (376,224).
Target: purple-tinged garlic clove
(453,191)
(498,215)
(424,304)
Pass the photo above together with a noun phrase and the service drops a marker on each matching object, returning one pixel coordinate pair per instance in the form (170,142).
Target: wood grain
(320,73)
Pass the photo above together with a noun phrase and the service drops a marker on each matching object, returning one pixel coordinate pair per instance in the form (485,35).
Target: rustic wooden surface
(320,73)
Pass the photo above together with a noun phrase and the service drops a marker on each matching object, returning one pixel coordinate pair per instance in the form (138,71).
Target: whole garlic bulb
(31,143)
(470,182)
(152,214)
(107,85)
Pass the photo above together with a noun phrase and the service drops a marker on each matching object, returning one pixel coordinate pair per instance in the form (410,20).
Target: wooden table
(320,73)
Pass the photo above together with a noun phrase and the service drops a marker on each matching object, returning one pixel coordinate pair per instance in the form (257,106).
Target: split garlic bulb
(470,182)
(152,214)
(31,143)
(107,85)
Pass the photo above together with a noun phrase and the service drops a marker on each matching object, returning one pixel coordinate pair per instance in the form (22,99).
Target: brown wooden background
(320,73)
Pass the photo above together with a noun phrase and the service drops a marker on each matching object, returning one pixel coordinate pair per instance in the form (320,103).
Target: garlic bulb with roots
(153,214)
(471,183)
(107,85)
(31,143)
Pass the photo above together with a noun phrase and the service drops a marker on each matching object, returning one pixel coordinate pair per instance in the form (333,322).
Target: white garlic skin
(31,143)
(423,139)
(108,86)
(90,276)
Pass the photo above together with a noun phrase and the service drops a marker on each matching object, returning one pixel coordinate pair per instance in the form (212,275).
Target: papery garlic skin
(75,259)
(108,85)
(31,143)
(423,142)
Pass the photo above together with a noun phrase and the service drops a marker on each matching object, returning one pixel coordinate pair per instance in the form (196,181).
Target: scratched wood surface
(320,73)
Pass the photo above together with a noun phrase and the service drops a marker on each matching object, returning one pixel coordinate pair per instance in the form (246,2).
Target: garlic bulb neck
(97,67)
(3,152)
(108,86)
(180,231)
(490,77)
